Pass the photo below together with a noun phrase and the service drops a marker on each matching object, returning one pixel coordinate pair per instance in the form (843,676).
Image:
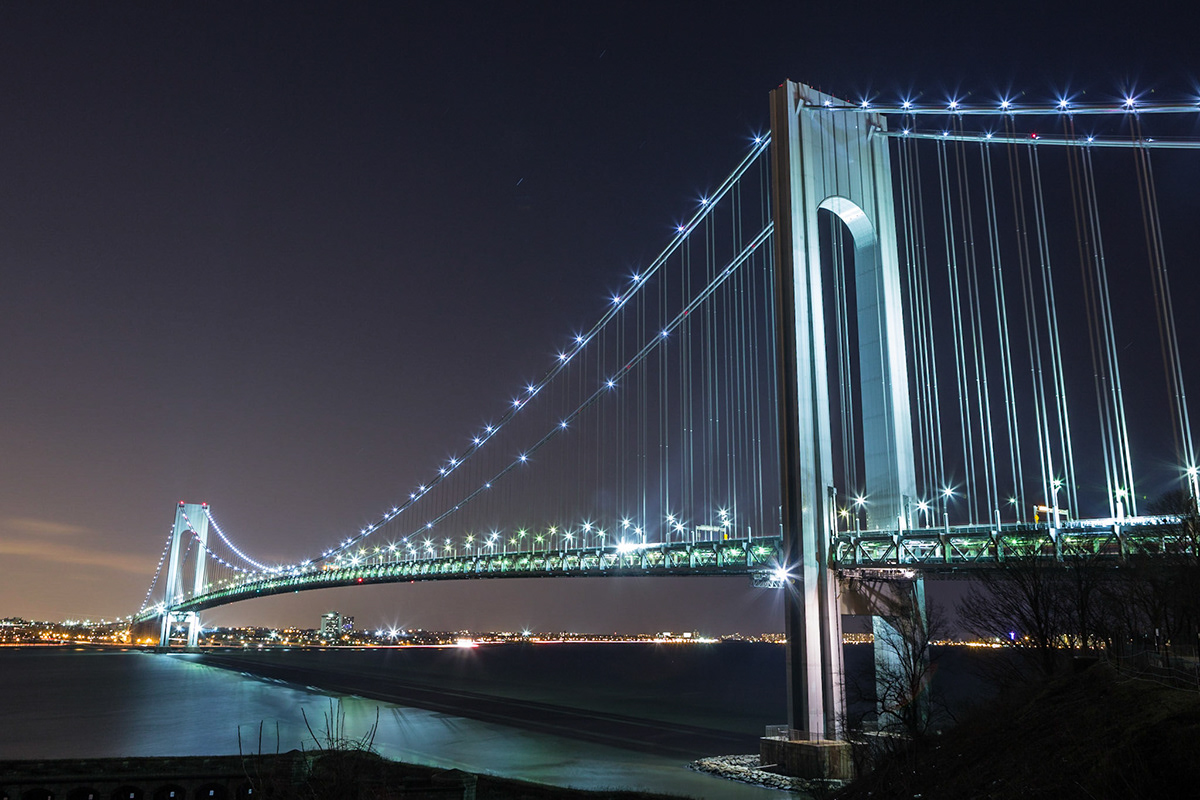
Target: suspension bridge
(896,340)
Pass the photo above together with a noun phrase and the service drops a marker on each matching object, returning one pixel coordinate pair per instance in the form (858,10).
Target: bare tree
(905,628)
(1021,604)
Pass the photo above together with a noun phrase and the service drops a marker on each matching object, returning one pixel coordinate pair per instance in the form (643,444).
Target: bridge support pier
(900,624)
(902,668)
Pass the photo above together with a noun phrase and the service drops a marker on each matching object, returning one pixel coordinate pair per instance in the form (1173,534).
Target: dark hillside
(1094,735)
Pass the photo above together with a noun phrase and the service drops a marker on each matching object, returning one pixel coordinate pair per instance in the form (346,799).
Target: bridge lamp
(625,523)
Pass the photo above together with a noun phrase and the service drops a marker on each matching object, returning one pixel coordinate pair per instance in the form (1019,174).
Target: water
(589,716)
(77,703)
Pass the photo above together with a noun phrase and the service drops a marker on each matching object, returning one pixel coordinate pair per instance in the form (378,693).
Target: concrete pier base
(821,758)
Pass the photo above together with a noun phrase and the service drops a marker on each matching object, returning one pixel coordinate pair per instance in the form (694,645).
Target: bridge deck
(946,550)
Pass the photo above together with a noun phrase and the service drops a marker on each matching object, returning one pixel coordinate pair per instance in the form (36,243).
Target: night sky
(280,257)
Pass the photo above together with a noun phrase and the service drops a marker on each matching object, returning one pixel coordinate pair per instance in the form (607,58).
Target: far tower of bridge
(184,528)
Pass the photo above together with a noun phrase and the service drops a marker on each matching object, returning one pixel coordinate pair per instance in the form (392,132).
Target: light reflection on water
(107,704)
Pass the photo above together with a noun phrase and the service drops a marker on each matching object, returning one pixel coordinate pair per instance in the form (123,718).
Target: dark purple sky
(274,256)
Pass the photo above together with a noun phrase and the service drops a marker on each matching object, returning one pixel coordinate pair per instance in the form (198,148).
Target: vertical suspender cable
(1164,310)
(1052,332)
(955,318)
(1005,347)
(932,392)
(1025,266)
(1125,458)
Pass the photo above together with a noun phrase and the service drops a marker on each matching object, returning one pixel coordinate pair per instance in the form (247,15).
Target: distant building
(331,625)
(347,624)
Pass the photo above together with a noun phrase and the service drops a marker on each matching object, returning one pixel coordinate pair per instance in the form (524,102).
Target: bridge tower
(191,519)
(824,157)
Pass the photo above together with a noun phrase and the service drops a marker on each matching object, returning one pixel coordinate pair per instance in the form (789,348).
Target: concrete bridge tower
(825,157)
(191,519)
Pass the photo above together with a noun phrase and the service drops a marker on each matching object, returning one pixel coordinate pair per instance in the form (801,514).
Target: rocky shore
(746,769)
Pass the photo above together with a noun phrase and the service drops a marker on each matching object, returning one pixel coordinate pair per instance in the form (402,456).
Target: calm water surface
(64,703)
